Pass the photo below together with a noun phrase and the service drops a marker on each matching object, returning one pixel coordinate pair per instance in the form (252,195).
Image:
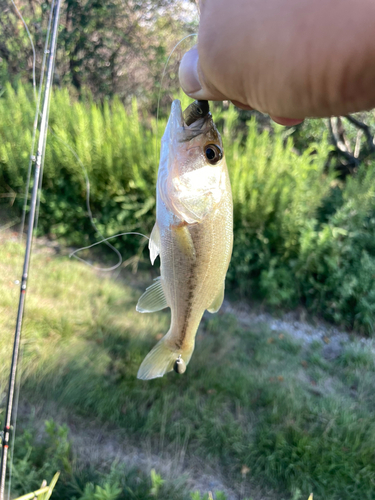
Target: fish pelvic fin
(161,360)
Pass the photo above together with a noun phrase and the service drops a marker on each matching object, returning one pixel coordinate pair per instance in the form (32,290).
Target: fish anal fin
(153,298)
(154,243)
(185,241)
(161,359)
(216,304)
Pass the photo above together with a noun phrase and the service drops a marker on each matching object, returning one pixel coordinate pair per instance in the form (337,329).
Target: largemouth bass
(193,234)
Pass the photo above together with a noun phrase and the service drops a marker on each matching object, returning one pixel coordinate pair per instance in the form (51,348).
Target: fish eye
(213,153)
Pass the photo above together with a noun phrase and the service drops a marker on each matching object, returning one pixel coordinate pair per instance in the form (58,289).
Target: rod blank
(34,197)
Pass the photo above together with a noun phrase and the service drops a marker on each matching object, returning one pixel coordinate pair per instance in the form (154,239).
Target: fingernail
(240,105)
(188,72)
(287,122)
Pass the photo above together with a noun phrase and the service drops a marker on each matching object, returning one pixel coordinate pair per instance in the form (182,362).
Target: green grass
(251,398)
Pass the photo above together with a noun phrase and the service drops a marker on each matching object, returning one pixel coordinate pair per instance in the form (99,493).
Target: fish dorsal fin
(154,243)
(185,242)
(153,299)
(216,304)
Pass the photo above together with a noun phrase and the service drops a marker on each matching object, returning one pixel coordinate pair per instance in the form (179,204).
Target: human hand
(288,58)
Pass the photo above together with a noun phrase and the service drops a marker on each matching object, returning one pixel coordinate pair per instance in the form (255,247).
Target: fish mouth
(176,117)
(194,121)
(193,117)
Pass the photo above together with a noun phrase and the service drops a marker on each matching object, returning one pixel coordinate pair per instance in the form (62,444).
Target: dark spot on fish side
(191,287)
(189,309)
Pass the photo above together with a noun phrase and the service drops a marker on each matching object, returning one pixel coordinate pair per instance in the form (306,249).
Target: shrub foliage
(301,235)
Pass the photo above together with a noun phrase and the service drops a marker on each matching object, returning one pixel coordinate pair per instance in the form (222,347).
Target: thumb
(192,80)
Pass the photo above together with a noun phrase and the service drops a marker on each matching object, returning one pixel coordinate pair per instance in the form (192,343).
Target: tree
(108,46)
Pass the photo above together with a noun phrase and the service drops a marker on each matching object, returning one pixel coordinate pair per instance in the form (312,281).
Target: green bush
(336,265)
(119,155)
(301,236)
(276,193)
(36,460)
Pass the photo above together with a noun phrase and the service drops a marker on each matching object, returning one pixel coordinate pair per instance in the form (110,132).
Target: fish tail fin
(161,360)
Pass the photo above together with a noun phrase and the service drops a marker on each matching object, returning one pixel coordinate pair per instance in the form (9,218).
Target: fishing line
(88,186)
(32,156)
(37,98)
(31,43)
(106,269)
(159,97)
(167,62)
(105,240)
(161,87)
(88,206)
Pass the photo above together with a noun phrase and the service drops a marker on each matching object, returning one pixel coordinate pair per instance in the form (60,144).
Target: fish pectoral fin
(185,241)
(154,243)
(153,299)
(216,304)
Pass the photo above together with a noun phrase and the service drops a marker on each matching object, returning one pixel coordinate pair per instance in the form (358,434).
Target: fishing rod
(29,240)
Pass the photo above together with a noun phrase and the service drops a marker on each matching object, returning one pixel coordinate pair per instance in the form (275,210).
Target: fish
(193,234)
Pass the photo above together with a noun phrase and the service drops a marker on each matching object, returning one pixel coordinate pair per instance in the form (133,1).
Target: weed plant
(301,235)
(37,459)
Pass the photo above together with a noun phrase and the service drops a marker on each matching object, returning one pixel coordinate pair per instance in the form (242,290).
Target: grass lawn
(259,405)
